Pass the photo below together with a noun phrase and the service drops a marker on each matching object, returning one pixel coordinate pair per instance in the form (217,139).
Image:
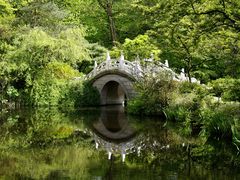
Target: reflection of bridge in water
(113,133)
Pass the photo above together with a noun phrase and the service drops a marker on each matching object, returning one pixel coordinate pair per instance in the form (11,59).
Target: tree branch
(224,14)
(184,45)
(193,8)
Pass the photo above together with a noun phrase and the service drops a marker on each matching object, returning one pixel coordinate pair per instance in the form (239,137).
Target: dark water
(106,144)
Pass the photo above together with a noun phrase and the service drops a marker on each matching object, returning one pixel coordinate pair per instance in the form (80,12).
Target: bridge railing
(135,69)
(132,68)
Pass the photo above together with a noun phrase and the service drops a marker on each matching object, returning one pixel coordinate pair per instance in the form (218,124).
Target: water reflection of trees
(66,144)
(71,162)
(34,127)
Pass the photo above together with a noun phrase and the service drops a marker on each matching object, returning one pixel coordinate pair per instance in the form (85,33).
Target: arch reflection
(113,132)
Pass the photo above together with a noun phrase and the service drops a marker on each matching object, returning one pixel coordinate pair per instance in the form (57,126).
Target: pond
(106,143)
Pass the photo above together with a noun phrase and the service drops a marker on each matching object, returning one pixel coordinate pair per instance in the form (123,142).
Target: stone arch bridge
(114,78)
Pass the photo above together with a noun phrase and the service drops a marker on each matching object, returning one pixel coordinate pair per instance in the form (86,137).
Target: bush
(154,93)
(49,85)
(89,96)
(55,85)
(80,94)
(227,88)
(180,107)
(144,106)
(186,98)
(199,89)
(220,121)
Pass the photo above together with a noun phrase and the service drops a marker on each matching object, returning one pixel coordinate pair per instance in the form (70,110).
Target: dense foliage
(41,53)
(154,94)
(195,106)
(198,35)
(46,44)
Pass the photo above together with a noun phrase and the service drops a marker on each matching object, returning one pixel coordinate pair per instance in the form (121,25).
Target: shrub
(154,93)
(79,94)
(200,113)
(144,106)
(49,85)
(220,121)
(180,107)
(199,89)
(227,88)
(89,96)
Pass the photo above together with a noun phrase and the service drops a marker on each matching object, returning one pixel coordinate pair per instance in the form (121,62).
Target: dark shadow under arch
(112,93)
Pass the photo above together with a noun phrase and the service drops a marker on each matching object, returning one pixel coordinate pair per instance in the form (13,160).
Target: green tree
(34,51)
(40,13)
(106,20)
(142,47)
(190,34)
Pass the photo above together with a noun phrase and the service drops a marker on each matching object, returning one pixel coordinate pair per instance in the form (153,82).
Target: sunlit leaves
(37,48)
(142,47)
(6,11)
(60,70)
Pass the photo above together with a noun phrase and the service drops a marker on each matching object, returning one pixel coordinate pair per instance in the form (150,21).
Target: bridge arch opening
(112,93)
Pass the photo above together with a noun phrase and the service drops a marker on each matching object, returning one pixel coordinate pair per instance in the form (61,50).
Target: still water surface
(103,143)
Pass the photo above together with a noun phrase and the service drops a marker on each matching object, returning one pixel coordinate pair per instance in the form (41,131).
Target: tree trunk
(189,68)
(189,75)
(107,6)
(111,24)
(188,60)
